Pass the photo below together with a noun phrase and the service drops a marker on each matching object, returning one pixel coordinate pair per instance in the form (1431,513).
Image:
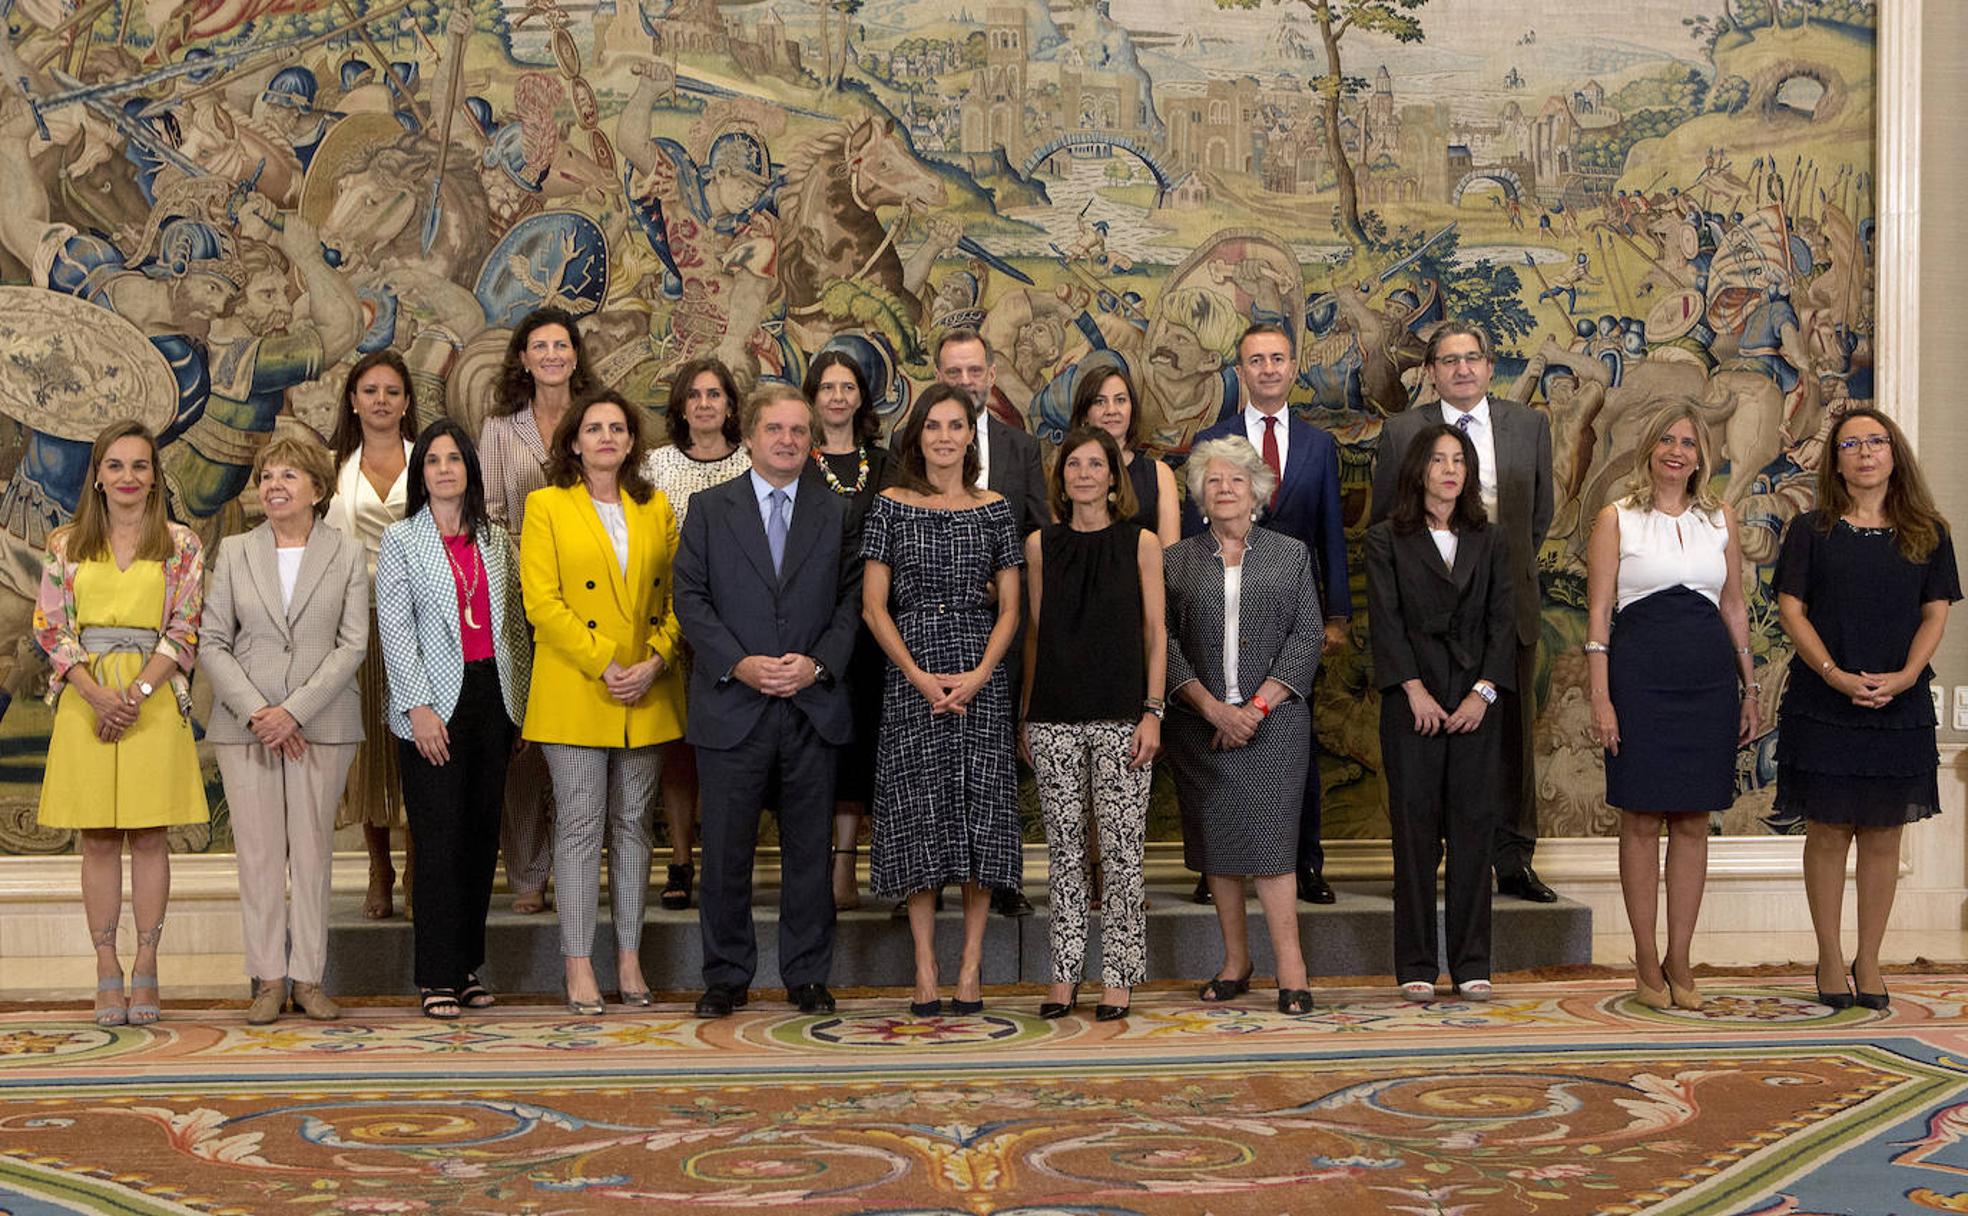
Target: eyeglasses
(1871,443)
(1469,360)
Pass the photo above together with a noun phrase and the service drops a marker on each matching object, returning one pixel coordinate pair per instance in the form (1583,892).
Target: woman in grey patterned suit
(286,628)
(1245,630)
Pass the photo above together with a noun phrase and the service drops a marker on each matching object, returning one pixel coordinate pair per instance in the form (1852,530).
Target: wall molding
(1896,301)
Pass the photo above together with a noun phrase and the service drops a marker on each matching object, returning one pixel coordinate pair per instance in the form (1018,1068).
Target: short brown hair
(765,394)
(1121,503)
(306,456)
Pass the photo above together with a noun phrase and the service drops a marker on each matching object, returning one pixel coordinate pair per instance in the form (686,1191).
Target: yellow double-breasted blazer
(586,612)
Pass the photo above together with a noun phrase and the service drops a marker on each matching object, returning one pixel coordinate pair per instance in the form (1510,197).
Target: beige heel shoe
(1652,998)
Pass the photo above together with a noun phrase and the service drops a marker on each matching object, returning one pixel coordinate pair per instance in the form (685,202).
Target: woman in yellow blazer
(594,558)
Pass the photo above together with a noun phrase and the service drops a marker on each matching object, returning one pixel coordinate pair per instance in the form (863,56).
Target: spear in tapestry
(459,32)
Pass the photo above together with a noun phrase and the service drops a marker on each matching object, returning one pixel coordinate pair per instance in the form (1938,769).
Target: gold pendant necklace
(468,587)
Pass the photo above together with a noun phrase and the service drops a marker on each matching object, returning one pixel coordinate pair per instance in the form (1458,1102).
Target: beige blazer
(303,657)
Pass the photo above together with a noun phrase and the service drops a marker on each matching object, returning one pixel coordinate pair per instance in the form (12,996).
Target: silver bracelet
(1743,650)
(1597,648)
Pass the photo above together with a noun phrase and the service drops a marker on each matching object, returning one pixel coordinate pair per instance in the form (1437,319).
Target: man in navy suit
(1306,506)
(768,589)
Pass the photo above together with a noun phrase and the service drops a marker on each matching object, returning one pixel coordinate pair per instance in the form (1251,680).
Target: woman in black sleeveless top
(1106,401)
(1095,662)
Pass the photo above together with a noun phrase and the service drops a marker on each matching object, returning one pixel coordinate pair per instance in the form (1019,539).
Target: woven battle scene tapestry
(209,209)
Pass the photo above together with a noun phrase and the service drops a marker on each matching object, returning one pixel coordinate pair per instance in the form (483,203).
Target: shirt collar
(761,488)
(1480,412)
(1255,417)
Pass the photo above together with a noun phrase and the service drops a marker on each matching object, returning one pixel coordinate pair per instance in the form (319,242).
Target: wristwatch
(821,675)
(1156,706)
(146,688)
(1487,691)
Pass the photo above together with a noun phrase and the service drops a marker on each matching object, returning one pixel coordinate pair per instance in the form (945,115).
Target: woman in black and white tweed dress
(1245,632)
(940,594)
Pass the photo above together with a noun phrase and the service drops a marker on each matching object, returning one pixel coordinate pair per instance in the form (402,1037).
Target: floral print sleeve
(184,598)
(54,616)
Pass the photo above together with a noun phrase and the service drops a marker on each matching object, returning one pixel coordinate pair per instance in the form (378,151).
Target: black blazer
(1017,473)
(1446,629)
(1524,496)
(731,605)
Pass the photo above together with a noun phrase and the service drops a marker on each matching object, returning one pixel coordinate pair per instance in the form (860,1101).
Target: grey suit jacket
(1017,473)
(732,605)
(302,657)
(1524,497)
(1280,627)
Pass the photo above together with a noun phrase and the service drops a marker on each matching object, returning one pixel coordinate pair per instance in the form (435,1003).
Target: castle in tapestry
(211,208)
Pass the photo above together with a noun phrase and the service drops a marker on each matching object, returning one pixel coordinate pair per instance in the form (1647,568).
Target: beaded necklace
(834,483)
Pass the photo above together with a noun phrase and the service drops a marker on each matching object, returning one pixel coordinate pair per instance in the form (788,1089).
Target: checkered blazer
(417,621)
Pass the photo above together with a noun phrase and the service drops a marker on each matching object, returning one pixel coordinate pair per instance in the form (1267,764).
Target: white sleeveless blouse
(1661,551)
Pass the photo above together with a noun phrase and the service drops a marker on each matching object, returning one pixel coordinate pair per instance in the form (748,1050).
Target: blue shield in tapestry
(557,258)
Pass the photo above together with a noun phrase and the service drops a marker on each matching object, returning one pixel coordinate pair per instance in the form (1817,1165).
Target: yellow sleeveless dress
(148,779)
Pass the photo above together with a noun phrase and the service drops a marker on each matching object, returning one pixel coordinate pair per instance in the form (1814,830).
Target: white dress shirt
(615,522)
(983,449)
(763,490)
(1482,433)
(1445,544)
(290,571)
(1254,431)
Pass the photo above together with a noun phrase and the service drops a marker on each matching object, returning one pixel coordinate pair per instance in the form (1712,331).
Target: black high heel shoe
(1110,1013)
(1295,1001)
(1220,989)
(926,1009)
(1052,1011)
(676,892)
(1833,1000)
(1869,1000)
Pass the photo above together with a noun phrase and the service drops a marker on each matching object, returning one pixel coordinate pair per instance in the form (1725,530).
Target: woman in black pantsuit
(1440,595)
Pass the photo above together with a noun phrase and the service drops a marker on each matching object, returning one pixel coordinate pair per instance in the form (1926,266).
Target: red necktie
(1271,454)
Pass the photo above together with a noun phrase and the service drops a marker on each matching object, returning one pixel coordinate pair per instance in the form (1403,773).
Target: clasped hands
(116,709)
(949,694)
(1870,690)
(1236,725)
(628,684)
(1431,719)
(784,676)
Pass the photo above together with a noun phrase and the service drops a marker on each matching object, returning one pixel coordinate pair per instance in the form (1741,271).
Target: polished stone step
(1353,936)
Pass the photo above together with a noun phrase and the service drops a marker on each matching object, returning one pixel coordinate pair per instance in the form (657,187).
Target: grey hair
(1233,450)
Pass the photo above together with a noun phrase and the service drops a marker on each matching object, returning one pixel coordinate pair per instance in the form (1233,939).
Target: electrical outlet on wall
(1961,707)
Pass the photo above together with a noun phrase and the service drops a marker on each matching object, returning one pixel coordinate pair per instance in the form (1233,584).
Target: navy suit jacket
(1307,505)
(731,605)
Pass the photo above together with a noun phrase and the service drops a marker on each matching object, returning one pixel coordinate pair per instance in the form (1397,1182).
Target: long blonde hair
(1640,485)
(88,537)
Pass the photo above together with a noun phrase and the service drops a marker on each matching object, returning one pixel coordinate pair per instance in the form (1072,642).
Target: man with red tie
(1305,506)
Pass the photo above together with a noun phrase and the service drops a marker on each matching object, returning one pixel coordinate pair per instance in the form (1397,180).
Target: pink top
(474,600)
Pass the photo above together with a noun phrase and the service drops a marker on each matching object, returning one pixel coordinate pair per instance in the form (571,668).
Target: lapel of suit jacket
(315,557)
(263,567)
(1419,547)
(1002,466)
(749,527)
(433,565)
(804,528)
(591,517)
(497,577)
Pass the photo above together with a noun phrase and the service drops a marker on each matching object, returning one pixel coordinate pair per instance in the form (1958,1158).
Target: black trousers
(454,812)
(1517,820)
(782,755)
(1441,789)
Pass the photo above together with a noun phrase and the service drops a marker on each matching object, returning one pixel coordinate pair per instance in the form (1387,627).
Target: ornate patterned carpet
(1556,1098)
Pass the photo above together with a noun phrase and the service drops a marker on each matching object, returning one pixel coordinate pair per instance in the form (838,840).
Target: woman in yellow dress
(121,593)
